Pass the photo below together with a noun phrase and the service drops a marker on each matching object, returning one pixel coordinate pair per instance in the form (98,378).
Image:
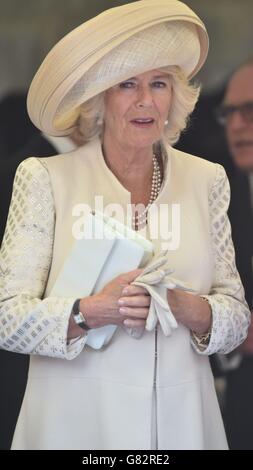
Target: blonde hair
(90,120)
(184,99)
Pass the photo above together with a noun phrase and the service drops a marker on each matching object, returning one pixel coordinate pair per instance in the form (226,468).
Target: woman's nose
(144,97)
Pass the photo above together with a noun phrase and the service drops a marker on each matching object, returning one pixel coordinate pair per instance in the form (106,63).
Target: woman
(123,78)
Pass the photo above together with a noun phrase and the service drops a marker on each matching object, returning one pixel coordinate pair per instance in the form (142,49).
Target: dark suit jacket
(15,126)
(14,367)
(204,137)
(238,416)
(241,217)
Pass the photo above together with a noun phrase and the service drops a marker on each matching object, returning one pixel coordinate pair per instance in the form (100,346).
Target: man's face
(239,124)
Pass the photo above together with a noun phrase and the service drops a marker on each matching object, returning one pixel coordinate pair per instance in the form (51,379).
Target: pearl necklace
(139,219)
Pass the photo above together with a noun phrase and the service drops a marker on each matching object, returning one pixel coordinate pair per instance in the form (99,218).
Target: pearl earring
(166,122)
(99,120)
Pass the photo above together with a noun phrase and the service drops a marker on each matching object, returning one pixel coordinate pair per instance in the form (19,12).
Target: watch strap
(79,316)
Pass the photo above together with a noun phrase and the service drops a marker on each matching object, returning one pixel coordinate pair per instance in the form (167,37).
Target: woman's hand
(190,310)
(118,303)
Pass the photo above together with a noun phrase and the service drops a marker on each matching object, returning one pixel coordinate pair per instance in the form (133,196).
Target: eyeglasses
(225,112)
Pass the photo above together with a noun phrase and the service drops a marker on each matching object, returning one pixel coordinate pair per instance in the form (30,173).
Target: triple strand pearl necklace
(139,219)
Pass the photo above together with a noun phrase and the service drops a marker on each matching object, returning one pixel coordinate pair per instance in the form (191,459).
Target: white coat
(118,397)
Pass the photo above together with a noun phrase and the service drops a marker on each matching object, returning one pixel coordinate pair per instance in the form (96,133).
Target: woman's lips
(143,122)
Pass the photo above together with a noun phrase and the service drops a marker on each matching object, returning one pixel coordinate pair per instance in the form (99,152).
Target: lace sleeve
(231,315)
(27,323)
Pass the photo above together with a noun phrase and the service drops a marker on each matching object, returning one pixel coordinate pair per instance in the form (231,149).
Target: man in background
(236,115)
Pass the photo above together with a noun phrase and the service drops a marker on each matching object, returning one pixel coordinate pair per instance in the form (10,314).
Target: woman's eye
(127,84)
(159,84)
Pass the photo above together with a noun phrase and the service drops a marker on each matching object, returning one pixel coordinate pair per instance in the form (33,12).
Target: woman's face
(136,109)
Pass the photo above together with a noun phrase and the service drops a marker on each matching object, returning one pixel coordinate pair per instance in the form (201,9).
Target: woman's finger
(134,301)
(134,290)
(134,312)
(130,323)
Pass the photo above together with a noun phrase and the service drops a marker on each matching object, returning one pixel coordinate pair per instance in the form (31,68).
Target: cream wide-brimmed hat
(120,43)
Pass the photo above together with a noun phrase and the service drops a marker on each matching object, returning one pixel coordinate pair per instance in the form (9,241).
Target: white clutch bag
(107,248)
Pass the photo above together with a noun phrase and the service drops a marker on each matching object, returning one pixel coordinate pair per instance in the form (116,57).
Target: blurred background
(29,28)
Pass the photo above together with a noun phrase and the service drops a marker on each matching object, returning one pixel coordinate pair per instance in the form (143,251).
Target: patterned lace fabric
(27,323)
(31,325)
(230,312)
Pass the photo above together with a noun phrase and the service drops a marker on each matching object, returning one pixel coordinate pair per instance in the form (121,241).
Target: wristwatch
(78,316)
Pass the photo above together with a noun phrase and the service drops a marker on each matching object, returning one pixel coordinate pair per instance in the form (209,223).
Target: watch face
(80,321)
(79,318)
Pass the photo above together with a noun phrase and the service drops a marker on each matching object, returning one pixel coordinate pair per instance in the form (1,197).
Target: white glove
(156,279)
